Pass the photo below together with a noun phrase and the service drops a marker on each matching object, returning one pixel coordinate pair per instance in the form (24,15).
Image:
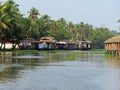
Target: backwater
(59,70)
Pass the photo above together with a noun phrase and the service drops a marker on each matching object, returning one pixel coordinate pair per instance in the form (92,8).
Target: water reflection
(65,70)
(12,63)
(113,61)
(9,73)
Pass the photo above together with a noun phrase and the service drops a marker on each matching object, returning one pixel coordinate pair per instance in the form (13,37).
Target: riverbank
(95,51)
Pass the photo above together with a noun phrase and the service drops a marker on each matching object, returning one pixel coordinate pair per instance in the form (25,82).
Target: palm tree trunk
(4,44)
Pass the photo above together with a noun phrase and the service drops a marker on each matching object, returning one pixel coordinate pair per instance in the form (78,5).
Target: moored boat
(47,43)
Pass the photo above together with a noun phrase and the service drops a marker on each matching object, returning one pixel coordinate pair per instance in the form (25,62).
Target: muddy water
(51,70)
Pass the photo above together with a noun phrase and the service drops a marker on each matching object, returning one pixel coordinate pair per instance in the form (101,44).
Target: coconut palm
(4,18)
(33,17)
(87,29)
(33,14)
(10,18)
(71,29)
(44,24)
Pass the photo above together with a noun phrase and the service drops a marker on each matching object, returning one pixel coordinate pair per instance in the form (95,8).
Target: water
(65,70)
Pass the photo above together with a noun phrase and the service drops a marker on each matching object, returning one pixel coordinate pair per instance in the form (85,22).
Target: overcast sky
(95,12)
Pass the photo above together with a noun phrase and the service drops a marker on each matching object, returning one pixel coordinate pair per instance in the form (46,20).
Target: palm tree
(33,17)
(83,31)
(4,18)
(9,20)
(53,26)
(4,21)
(87,29)
(77,32)
(44,24)
(71,29)
(33,14)
(62,23)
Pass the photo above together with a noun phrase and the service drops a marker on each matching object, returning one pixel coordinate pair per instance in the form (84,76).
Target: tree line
(14,26)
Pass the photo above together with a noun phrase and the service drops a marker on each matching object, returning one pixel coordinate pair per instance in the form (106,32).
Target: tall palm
(44,25)
(82,31)
(9,20)
(77,32)
(53,26)
(33,17)
(71,29)
(33,14)
(62,23)
(4,18)
(9,12)
(87,29)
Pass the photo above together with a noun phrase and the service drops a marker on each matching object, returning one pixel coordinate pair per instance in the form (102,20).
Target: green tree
(79,31)
(44,23)
(33,17)
(99,35)
(10,20)
(71,30)
(59,29)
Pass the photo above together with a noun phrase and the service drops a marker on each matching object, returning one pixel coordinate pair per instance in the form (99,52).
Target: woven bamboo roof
(29,39)
(65,41)
(113,39)
(84,41)
(48,39)
(61,42)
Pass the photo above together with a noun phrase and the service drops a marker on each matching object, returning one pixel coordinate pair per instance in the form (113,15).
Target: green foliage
(11,24)
(99,35)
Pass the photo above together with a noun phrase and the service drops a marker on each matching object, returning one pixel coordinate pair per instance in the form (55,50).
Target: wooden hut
(28,43)
(84,45)
(47,43)
(112,45)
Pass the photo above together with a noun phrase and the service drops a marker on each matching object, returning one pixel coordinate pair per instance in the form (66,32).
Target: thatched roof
(113,39)
(48,39)
(61,42)
(29,39)
(84,41)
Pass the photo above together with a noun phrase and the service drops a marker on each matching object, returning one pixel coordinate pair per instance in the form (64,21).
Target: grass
(96,51)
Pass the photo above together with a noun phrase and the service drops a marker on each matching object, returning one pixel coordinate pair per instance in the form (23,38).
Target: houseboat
(112,45)
(72,45)
(28,43)
(62,45)
(47,43)
(84,45)
(8,45)
(66,45)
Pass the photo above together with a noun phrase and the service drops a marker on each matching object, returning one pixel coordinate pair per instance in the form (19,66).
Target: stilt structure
(112,45)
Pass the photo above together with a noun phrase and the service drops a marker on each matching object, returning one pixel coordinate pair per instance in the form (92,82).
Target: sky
(99,13)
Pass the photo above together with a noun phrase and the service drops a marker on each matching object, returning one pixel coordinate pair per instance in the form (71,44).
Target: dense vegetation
(14,26)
